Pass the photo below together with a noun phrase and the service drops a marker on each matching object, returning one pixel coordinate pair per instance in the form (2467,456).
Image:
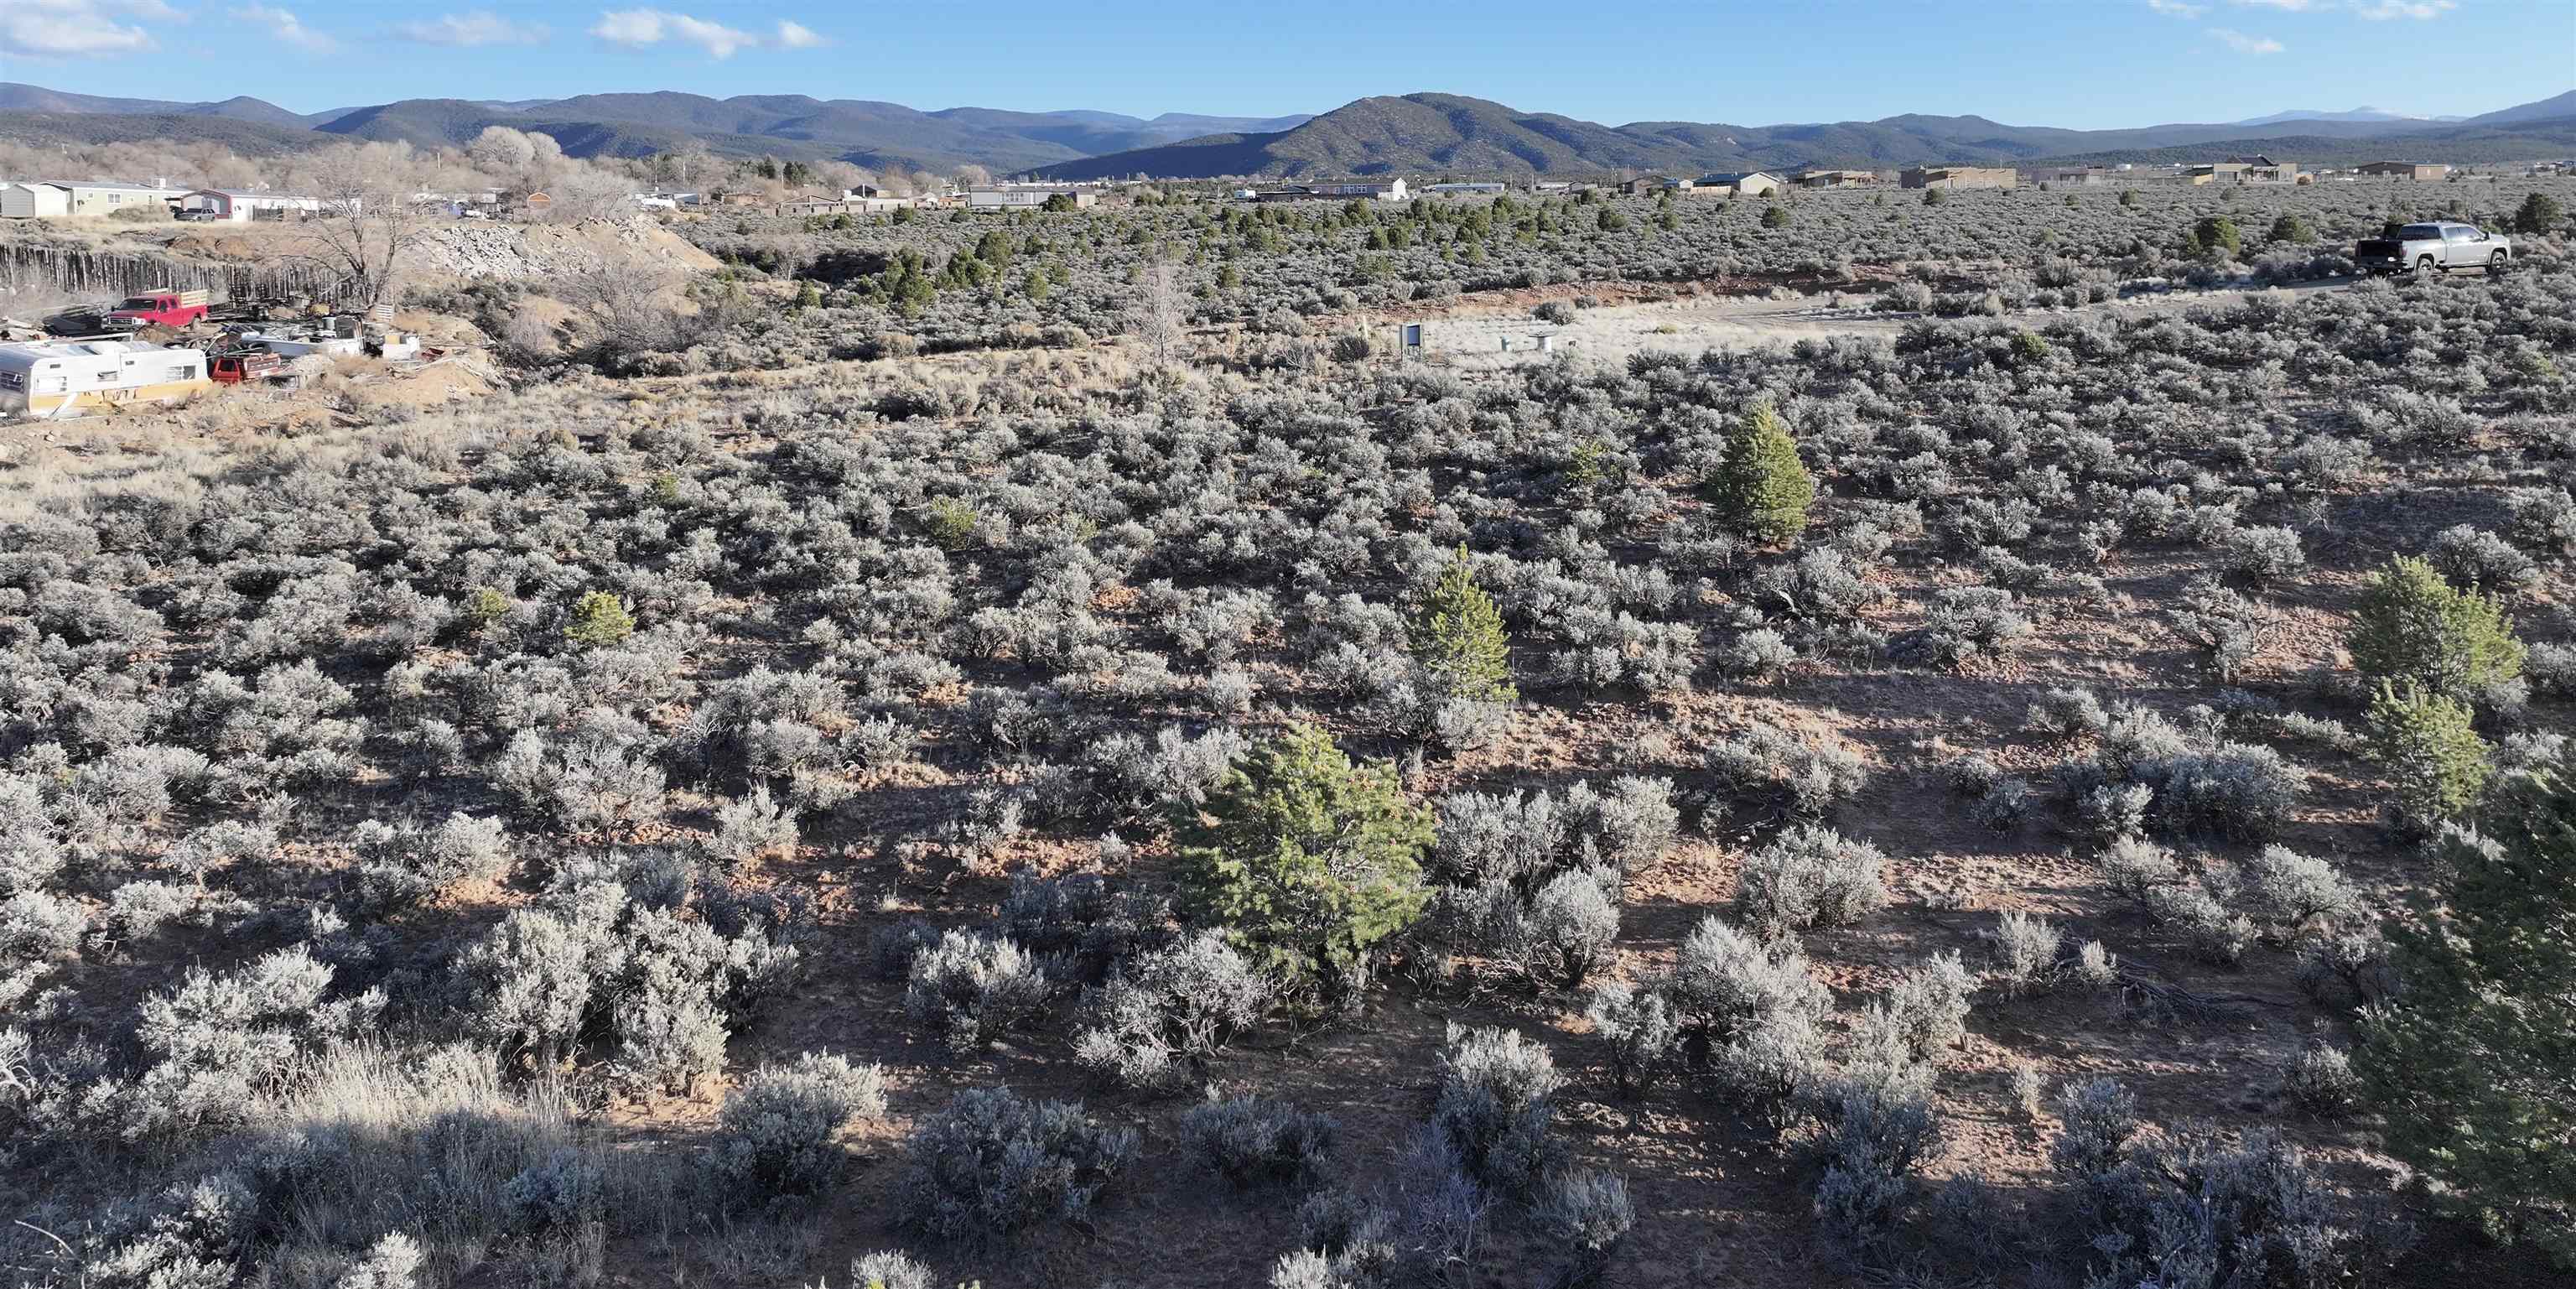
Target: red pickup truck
(173,309)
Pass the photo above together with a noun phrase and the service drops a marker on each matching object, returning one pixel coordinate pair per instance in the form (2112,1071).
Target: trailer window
(183,372)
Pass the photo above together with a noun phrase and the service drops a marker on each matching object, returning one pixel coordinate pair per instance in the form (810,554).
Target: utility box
(1411,344)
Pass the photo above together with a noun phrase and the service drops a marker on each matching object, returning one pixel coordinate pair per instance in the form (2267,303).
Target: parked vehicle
(245,367)
(173,309)
(2435,248)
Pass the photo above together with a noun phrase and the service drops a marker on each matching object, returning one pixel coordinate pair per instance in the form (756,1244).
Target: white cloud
(2294,6)
(284,25)
(2178,9)
(78,28)
(471,30)
(2383,10)
(639,28)
(796,35)
(2245,44)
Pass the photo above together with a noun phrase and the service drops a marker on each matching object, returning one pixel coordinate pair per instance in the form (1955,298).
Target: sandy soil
(1482,335)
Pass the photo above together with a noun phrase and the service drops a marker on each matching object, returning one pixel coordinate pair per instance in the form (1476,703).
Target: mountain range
(878,135)
(1419,134)
(1438,134)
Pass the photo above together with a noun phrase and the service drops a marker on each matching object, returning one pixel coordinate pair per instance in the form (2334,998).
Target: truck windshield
(2420,233)
(140,302)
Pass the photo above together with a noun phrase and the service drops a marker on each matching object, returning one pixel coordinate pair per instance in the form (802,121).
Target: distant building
(32,199)
(1836,178)
(85,198)
(242,205)
(1467,189)
(1389,190)
(2424,171)
(2069,176)
(1750,183)
(1652,184)
(1027,197)
(1958,177)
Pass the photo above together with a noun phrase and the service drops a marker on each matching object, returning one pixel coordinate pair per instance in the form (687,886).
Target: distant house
(1467,189)
(1028,197)
(536,203)
(85,198)
(1958,177)
(739,199)
(2423,171)
(1652,184)
(2070,176)
(1749,183)
(1388,190)
(242,205)
(1836,178)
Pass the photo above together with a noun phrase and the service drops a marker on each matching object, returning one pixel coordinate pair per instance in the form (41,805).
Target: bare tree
(585,192)
(973,176)
(1160,316)
(370,214)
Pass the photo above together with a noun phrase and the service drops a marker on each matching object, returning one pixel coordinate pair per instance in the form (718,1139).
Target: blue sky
(2077,63)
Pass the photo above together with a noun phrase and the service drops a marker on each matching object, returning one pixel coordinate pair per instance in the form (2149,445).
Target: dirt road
(1483,338)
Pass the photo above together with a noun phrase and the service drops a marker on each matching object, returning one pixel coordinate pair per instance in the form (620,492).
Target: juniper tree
(2412,625)
(2474,1064)
(1460,638)
(1306,861)
(1762,490)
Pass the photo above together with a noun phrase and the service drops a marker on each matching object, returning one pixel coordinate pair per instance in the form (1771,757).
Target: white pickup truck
(2434,248)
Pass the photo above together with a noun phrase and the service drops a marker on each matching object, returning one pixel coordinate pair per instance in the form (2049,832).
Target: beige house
(1751,183)
(1959,177)
(1836,178)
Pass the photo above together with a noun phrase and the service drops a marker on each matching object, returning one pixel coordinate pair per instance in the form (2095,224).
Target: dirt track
(1482,337)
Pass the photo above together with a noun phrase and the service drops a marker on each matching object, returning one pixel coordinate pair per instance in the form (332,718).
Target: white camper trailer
(49,379)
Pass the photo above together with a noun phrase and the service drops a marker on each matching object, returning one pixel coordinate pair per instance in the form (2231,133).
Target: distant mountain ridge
(880,135)
(1435,134)
(1418,134)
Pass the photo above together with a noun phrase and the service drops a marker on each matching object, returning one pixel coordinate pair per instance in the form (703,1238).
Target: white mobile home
(241,205)
(93,198)
(44,379)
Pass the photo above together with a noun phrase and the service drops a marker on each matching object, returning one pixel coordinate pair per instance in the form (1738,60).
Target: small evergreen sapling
(1460,637)
(598,621)
(1762,490)
(1307,861)
(2414,626)
(2433,755)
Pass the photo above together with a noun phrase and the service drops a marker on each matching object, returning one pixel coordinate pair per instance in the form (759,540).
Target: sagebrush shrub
(1162,1019)
(1496,1107)
(774,1138)
(989,1165)
(1809,877)
(973,988)
(1254,1142)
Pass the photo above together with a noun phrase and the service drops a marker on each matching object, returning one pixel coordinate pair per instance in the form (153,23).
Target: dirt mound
(506,251)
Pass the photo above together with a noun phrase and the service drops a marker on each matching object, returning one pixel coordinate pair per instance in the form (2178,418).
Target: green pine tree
(1459,636)
(2473,1066)
(1762,490)
(2412,625)
(2432,753)
(599,620)
(1306,861)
